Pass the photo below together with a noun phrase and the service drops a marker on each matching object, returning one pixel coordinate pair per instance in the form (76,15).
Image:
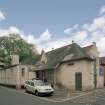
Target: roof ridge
(59,48)
(88,46)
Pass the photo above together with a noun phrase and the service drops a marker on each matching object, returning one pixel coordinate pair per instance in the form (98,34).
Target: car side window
(27,82)
(32,83)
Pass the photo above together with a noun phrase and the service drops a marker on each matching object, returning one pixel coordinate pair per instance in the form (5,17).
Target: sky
(54,23)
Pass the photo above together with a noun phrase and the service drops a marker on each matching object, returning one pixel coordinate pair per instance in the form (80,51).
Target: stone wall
(9,76)
(66,74)
(17,74)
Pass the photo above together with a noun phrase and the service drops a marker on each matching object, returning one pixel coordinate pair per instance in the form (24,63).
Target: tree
(14,44)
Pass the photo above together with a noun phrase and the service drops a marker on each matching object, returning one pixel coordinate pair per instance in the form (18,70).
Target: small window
(71,63)
(37,74)
(23,72)
(101,71)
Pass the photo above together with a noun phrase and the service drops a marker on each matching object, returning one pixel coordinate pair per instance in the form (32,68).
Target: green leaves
(14,44)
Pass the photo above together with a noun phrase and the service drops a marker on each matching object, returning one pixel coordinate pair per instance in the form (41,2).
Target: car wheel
(50,94)
(36,93)
(26,90)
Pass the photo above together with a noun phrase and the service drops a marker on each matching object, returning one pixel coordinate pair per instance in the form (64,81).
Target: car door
(32,87)
(27,85)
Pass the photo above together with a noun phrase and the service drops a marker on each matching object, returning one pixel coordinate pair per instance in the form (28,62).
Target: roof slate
(31,60)
(64,54)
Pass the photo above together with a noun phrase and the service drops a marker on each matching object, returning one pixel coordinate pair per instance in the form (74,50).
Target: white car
(38,87)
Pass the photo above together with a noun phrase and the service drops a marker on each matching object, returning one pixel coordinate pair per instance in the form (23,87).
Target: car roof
(33,80)
(28,81)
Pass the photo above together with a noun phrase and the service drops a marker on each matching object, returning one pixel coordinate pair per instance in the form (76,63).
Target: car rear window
(27,82)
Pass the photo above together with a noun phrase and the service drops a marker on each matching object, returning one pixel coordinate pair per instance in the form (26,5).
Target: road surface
(13,97)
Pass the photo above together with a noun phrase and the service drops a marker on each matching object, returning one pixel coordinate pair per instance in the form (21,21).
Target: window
(27,82)
(37,74)
(32,84)
(23,72)
(71,63)
(101,71)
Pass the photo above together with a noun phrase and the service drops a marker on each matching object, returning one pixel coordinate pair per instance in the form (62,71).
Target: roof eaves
(77,59)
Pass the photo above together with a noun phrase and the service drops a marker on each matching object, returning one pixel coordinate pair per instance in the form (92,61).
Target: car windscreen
(40,83)
(27,82)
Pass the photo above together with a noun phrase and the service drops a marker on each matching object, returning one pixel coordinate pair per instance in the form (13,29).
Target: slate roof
(64,54)
(31,60)
(87,48)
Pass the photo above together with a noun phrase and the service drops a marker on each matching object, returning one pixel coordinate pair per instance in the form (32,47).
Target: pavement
(95,97)
(63,95)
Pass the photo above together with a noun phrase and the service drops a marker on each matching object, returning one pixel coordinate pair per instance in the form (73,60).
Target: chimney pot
(72,41)
(94,43)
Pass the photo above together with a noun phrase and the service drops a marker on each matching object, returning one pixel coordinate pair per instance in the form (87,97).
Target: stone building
(72,67)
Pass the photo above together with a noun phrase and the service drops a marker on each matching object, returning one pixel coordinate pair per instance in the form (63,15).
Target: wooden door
(78,81)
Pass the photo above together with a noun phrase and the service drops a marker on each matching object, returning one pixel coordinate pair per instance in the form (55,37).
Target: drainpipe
(5,77)
(43,75)
(95,74)
(55,76)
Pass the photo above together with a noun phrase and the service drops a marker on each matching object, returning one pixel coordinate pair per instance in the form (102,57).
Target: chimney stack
(72,41)
(94,43)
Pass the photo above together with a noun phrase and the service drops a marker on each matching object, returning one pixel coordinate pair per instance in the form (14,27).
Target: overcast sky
(55,23)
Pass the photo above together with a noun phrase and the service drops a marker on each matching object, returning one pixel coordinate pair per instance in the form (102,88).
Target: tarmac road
(13,97)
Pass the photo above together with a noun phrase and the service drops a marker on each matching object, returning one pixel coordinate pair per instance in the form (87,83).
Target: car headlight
(41,90)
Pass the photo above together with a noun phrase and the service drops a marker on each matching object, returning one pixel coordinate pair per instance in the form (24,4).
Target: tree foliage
(14,44)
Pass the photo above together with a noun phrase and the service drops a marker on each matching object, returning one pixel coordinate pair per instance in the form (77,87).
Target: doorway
(78,81)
